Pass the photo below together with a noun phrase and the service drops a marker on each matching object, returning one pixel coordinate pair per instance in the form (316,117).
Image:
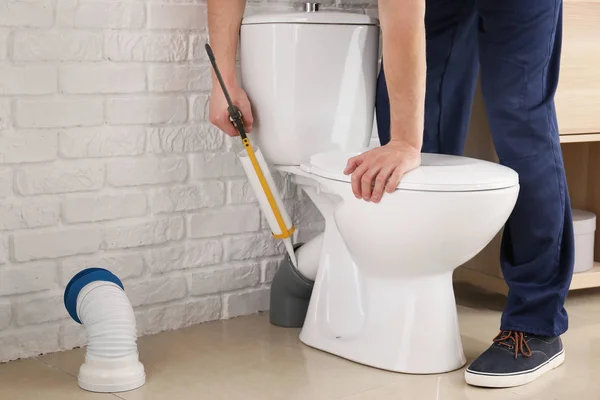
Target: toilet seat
(437,173)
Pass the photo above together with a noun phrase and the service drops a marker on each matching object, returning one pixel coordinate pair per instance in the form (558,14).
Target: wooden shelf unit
(587,279)
(495,284)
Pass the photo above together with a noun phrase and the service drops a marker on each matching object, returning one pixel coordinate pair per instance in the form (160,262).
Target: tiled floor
(247,359)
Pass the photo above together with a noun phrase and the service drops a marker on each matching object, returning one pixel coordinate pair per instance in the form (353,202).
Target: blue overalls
(517,46)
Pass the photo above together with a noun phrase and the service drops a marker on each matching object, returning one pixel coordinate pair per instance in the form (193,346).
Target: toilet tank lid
(440,173)
(319,17)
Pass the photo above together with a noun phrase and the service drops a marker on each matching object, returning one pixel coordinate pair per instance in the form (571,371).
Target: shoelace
(507,338)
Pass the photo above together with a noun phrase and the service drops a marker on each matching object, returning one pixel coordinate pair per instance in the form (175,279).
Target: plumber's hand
(381,167)
(219,113)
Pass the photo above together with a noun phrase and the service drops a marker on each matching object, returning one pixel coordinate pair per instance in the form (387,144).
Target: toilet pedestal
(407,325)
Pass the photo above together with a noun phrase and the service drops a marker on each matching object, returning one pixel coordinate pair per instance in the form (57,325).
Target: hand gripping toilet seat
(437,173)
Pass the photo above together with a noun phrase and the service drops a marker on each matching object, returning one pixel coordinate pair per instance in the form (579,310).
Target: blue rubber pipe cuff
(79,281)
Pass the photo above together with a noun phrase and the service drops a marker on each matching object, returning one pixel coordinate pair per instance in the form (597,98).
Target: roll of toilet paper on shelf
(263,201)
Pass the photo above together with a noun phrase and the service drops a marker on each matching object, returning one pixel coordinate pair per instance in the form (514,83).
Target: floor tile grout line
(70,375)
(361,392)
(55,367)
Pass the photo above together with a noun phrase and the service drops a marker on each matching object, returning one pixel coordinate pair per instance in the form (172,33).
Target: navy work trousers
(516,46)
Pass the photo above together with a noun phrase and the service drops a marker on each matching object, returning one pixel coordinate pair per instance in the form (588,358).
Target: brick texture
(147,46)
(54,244)
(190,255)
(146,110)
(21,80)
(94,208)
(146,171)
(188,198)
(126,266)
(5,182)
(102,78)
(102,141)
(58,112)
(32,13)
(67,45)
(108,15)
(177,16)
(145,233)
(28,278)
(28,146)
(108,160)
(65,177)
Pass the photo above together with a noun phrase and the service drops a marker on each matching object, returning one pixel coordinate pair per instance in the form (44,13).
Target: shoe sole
(512,380)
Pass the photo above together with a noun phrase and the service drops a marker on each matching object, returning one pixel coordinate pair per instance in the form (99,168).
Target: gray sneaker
(515,359)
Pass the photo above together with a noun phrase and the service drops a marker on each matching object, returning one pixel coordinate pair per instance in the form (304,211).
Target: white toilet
(383,292)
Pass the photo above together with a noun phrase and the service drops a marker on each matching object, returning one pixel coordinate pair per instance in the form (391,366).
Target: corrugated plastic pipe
(96,299)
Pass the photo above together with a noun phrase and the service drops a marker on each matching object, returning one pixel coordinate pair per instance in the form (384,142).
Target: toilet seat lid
(440,173)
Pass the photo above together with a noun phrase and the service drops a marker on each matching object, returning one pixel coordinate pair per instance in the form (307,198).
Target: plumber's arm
(224,21)
(403,30)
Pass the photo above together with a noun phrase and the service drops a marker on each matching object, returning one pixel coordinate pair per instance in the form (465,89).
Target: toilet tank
(311,79)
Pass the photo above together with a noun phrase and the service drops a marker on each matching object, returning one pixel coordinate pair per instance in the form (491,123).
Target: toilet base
(408,325)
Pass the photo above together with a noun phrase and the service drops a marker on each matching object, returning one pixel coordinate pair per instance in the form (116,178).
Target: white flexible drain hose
(308,257)
(95,298)
(106,312)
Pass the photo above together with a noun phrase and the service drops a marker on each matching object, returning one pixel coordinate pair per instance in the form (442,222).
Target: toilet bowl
(383,292)
(382,272)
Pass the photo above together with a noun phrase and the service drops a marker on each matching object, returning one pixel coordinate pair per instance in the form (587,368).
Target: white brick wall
(27,246)
(102,141)
(146,46)
(19,80)
(3,43)
(97,78)
(27,278)
(101,14)
(190,255)
(31,13)
(95,208)
(29,212)
(28,146)
(146,110)
(5,182)
(177,16)
(107,160)
(50,112)
(59,177)
(57,45)
(216,280)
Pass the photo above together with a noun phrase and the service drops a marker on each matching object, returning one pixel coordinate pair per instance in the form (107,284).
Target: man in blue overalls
(432,50)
